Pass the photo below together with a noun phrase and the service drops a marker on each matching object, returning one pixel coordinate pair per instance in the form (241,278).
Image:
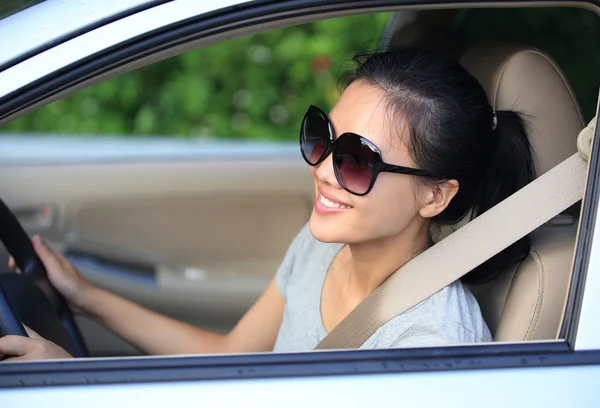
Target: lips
(326,204)
(333,199)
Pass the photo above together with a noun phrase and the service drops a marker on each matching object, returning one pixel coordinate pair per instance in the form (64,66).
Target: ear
(436,198)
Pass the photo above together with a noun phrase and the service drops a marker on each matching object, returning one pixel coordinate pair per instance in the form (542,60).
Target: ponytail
(510,167)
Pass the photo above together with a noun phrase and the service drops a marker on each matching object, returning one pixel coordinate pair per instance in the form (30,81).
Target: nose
(325,174)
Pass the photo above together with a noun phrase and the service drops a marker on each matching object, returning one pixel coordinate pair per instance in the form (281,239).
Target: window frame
(293,365)
(580,328)
(68,24)
(252,16)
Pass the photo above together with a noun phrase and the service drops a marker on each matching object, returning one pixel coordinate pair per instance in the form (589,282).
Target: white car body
(58,36)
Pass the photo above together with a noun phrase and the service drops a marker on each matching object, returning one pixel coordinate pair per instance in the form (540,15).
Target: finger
(63,260)
(47,255)
(12,264)
(12,359)
(15,345)
(32,333)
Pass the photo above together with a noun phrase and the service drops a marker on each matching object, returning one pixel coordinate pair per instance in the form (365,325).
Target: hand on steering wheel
(33,347)
(65,278)
(38,284)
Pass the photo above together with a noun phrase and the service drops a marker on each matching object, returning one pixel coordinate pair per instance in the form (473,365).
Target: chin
(329,230)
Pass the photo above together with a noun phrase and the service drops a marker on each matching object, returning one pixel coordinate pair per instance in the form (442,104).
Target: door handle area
(36,218)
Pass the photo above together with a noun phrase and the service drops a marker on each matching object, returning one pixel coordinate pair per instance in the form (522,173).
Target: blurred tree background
(254,87)
(259,86)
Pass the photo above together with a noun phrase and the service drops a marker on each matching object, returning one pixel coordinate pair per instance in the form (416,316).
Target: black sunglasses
(356,160)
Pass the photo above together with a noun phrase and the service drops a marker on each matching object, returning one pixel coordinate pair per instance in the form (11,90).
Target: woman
(412,144)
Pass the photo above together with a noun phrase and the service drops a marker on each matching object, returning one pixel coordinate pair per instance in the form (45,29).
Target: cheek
(391,205)
(313,172)
(395,197)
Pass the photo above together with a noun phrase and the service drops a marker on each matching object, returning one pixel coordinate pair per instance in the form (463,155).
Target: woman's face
(387,210)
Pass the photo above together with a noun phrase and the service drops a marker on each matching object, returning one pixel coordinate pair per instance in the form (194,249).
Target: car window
(169,245)
(250,88)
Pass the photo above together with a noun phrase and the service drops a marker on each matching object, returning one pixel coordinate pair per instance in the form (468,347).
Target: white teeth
(329,203)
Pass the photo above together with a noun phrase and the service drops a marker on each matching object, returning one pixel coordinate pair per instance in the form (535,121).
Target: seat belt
(466,248)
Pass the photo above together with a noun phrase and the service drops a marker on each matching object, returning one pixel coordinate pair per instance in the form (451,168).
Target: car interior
(527,303)
(199,240)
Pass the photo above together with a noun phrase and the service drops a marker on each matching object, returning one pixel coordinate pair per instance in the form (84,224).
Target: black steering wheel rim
(19,246)
(9,321)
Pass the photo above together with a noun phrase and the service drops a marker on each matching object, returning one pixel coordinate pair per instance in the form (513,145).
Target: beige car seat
(528,302)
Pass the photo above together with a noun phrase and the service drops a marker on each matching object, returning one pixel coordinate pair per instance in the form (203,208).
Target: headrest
(529,82)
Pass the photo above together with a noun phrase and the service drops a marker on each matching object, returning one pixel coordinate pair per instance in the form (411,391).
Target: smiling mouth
(331,204)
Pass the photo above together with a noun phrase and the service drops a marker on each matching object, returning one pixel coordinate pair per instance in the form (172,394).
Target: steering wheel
(30,297)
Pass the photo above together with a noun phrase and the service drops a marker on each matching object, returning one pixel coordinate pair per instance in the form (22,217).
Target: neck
(371,263)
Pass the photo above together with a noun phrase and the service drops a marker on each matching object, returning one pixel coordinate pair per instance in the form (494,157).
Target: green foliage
(254,87)
(259,86)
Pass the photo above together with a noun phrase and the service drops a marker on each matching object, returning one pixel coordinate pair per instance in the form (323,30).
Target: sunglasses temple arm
(409,171)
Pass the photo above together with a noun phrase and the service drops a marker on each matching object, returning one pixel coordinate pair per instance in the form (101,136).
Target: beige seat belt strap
(463,250)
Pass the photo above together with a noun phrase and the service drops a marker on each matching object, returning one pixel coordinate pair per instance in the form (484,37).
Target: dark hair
(454,132)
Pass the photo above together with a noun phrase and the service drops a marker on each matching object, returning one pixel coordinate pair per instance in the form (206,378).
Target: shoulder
(451,316)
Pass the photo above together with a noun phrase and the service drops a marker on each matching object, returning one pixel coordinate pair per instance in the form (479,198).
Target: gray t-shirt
(451,316)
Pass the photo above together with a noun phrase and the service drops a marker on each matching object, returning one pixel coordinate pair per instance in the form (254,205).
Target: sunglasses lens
(315,136)
(354,162)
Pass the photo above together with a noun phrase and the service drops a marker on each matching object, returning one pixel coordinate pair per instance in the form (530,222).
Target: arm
(149,331)
(157,334)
